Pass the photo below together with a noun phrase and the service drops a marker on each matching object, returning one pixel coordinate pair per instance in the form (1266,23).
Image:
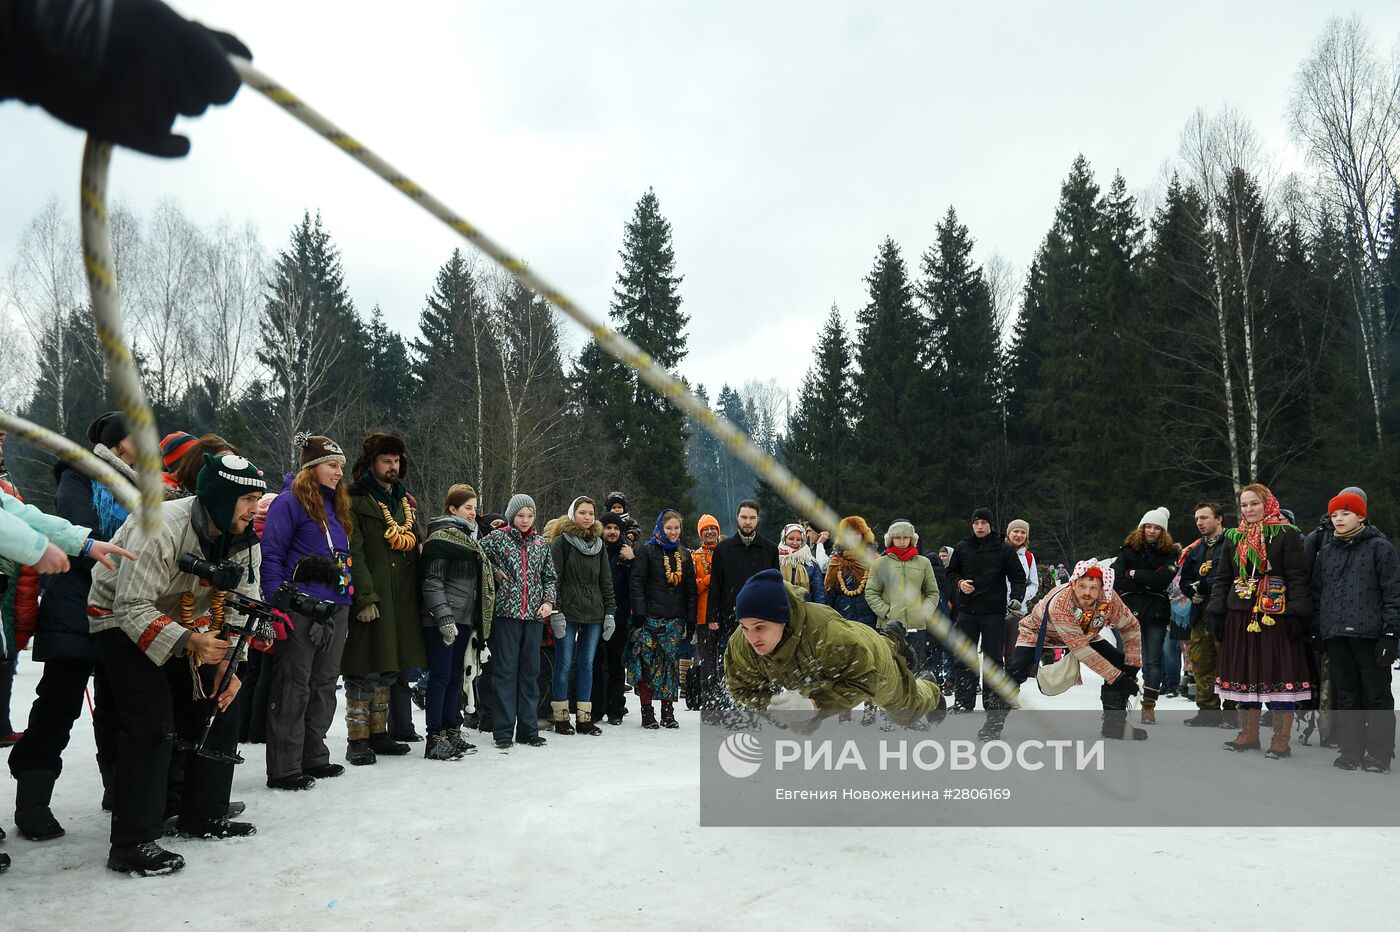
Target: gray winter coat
(1356,587)
(457,582)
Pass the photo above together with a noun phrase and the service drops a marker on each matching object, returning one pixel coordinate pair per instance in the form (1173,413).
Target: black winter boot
(649,716)
(323,772)
(359,753)
(296,781)
(216,828)
(33,817)
(584,720)
(381,743)
(668,715)
(146,859)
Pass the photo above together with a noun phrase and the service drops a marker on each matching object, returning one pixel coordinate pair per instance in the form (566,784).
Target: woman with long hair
(1145,567)
(584,615)
(1260,608)
(663,608)
(310,518)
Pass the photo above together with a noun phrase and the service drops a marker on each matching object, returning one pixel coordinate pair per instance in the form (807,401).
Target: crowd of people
(511,625)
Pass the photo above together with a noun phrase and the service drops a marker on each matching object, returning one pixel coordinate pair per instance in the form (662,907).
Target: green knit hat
(222,481)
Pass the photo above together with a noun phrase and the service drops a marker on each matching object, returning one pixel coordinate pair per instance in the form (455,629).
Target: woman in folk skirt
(1260,608)
(663,612)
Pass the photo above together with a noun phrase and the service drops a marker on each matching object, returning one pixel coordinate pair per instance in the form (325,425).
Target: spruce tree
(886,478)
(390,380)
(646,307)
(817,447)
(958,447)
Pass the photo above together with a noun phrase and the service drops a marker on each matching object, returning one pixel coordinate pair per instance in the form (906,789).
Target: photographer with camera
(156,634)
(310,518)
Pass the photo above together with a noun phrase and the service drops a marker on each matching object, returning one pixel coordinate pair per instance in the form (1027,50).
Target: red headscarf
(1251,540)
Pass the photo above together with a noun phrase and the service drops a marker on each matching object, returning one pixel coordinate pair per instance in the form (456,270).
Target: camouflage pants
(1202,650)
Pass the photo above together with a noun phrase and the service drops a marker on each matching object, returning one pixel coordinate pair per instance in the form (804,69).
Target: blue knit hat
(764,596)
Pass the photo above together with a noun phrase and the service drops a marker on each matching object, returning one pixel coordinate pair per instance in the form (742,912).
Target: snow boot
(1115,717)
(379,740)
(459,740)
(1282,732)
(358,751)
(649,716)
(668,715)
(146,859)
(1204,718)
(1375,764)
(584,720)
(1347,761)
(33,817)
(614,718)
(1248,738)
(215,828)
(1149,706)
(296,781)
(504,744)
(991,728)
(561,717)
(535,741)
(440,747)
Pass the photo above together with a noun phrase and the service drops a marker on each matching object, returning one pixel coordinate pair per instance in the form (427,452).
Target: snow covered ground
(603,832)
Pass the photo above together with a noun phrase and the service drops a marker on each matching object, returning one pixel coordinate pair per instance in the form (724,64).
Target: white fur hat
(901,528)
(1158,516)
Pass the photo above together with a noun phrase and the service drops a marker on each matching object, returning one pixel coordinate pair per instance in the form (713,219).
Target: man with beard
(384,637)
(736,559)
(1199,563)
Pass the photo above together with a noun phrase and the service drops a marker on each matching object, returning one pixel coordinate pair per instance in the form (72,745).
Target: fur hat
(376,445)
(901,528)
(1158,516)
(855,524)
(316,450)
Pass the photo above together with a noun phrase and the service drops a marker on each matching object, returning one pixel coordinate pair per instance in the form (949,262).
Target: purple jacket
(289,534)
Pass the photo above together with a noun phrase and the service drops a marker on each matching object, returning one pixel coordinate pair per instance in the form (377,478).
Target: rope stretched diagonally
(765,466)
(85,461)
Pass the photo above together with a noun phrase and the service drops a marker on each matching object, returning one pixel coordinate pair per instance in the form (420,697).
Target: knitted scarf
(1252,540)
(903,554)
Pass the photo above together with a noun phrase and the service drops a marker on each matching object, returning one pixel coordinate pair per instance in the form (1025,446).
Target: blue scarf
(659,536)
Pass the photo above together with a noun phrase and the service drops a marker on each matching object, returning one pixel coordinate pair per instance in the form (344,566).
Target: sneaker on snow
(146,859)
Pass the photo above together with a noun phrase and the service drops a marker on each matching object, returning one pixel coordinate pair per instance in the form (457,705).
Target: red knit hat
(1348,501)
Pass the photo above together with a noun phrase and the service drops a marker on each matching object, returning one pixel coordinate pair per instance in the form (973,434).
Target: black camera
(222,575)
(287,599)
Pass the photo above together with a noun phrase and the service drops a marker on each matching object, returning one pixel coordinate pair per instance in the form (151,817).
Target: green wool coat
(836,663)
(387,578)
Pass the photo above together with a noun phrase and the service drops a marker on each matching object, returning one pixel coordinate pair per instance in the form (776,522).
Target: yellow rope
(773,473)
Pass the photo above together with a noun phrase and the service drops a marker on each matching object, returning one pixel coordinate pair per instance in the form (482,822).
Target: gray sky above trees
(784,140)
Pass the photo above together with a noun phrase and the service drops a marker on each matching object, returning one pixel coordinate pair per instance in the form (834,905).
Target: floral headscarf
(658,534)
(1252,540)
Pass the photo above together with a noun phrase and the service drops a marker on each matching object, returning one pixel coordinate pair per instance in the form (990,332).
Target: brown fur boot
(1248,738)
(1283,730)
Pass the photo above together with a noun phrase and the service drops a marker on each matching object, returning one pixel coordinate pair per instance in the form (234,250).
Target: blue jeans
(446,666)
(515,675)
(587,637)
(1171,662)
(1154,637)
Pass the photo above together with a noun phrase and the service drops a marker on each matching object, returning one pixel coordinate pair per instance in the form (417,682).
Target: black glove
(1126,683)
(1387,651)
(120,69)
(1215,626)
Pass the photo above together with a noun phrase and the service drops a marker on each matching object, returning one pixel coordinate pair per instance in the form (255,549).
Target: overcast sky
(784,140)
